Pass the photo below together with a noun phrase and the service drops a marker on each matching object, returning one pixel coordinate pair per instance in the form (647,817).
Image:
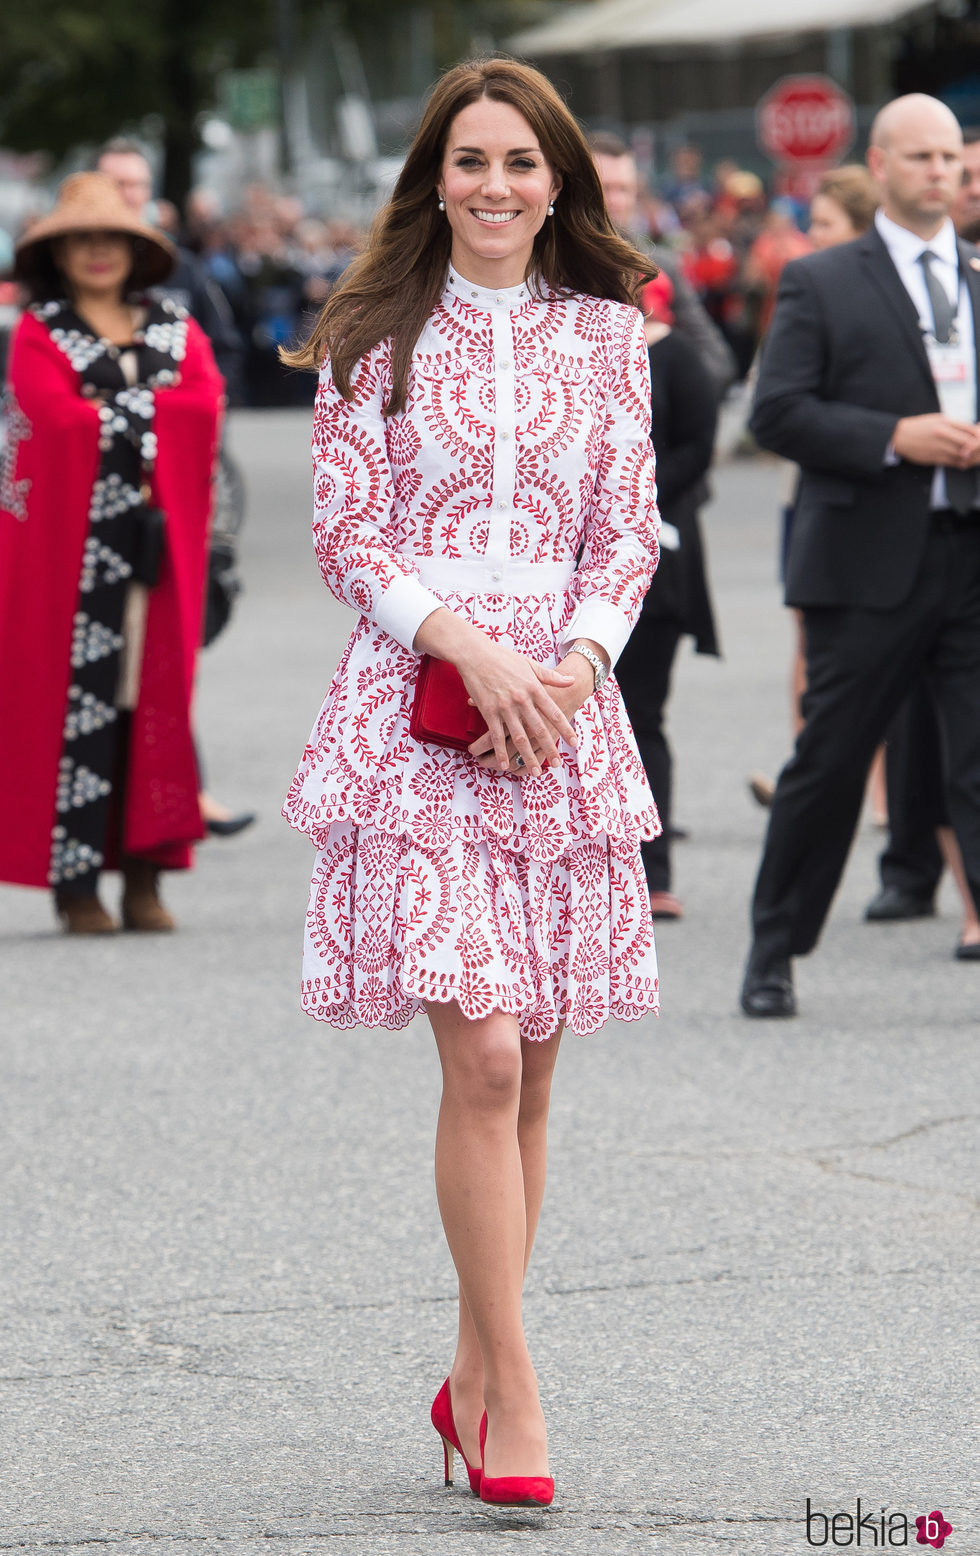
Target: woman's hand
(579,683)
(523,703)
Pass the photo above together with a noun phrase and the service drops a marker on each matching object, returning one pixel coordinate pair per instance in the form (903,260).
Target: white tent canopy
(621,24)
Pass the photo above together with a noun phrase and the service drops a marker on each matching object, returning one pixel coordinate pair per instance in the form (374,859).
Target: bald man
(868,381)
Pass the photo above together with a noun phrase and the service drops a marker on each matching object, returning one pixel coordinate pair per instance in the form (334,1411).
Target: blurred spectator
(273,289)
(741,209)
(779,241)
(620,181)
(113,411)
(188,284)
(711,267)
(684,180)
(966,211)
(679,602)
(843,207)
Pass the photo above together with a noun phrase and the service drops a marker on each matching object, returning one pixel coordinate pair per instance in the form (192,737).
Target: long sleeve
(353,494)
(621,548)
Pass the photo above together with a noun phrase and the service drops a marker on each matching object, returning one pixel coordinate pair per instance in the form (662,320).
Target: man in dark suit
(869,383)
(919,840)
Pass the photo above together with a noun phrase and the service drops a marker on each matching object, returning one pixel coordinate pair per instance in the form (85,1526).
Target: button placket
(504,449)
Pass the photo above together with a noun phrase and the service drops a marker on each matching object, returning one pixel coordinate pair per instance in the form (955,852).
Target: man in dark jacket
(620,181)
(188,284)
(869,382)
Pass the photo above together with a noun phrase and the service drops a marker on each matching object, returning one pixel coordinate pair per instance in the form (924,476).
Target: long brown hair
(391,289)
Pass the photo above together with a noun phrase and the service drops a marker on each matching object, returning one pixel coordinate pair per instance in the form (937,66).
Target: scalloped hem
(536,1027)
(647,827)
(391,927)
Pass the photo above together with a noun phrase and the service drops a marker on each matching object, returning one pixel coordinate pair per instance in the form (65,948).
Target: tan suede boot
(141,906)
(83,915)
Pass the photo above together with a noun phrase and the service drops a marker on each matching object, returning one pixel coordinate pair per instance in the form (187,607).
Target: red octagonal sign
(805,119)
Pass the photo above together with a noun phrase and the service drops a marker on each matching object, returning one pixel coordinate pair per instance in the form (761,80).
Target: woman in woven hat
(113,408)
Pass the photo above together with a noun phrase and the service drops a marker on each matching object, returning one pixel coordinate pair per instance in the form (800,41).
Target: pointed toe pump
(513,1490)
(442,1420)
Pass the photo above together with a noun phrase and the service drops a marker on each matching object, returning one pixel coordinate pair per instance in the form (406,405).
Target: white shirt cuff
(603,623)
(402,609)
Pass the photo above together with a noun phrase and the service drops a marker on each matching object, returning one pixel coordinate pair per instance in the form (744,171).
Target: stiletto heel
(442,1420)
(513,1490)
(448,1456)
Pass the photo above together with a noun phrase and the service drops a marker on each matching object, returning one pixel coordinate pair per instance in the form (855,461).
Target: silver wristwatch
(599,669)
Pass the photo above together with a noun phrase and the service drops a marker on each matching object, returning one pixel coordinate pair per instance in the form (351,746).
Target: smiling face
(95,263)
(497,186)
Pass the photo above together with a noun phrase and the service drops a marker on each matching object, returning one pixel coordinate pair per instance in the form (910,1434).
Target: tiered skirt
(438,880)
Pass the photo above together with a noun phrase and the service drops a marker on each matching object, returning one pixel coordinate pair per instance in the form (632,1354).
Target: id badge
(953,373)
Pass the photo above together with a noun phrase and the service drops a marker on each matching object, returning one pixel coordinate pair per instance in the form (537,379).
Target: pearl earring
(442,203)
(551,210)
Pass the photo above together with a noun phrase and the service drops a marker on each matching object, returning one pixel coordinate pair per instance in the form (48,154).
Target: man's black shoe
(769,991)
(892,905)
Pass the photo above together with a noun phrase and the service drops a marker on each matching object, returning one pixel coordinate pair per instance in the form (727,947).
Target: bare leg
(878,789)
(466,1374)
(480,1186)
(970,932)
(797,679)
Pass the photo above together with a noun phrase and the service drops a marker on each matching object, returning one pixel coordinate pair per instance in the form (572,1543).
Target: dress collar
(485,297)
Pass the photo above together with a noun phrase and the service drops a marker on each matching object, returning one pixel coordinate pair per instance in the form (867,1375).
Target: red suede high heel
(513,1490)
(442,1420)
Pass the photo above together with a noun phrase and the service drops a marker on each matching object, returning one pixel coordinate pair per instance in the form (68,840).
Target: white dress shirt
(906,249)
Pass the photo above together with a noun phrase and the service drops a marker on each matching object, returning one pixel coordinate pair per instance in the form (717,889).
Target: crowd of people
(256,275)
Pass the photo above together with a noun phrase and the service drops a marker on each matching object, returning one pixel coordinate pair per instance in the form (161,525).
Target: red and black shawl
(85,452)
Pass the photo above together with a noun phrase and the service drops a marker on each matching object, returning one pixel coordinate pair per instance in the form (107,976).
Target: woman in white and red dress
(485,494)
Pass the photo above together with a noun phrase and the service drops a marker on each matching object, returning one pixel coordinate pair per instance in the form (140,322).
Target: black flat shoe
(768,992)
(967,953)
(232,825)
(892,905)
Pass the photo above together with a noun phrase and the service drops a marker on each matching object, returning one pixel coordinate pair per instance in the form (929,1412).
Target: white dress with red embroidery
(525,441)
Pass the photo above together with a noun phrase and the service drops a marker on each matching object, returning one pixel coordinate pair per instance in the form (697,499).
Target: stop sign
(805,119)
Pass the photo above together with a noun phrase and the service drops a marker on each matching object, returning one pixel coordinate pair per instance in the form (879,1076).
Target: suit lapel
(969,258)
(882,271)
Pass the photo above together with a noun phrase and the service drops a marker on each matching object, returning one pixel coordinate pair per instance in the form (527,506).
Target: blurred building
(671,71)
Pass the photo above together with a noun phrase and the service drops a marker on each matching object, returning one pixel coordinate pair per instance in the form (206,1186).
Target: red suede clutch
(441,711)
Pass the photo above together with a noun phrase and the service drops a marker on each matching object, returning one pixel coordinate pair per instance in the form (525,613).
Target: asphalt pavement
(226,1299)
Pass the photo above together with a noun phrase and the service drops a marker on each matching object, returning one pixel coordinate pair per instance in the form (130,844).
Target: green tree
(74,72)
(77,71)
